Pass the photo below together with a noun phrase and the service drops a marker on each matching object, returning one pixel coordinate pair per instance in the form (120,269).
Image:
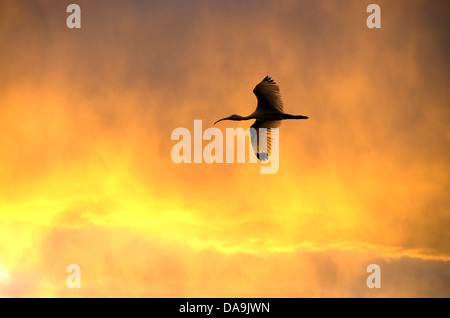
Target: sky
(86,175)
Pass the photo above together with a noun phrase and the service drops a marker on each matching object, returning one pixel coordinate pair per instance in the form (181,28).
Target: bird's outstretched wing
(262,138)
(268,94)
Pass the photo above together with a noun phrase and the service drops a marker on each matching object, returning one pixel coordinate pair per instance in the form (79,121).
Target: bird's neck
(246,117)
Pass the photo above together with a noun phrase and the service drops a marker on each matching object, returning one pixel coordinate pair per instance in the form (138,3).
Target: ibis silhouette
(268,114)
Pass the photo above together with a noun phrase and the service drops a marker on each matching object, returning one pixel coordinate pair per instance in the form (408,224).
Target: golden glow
(86,175)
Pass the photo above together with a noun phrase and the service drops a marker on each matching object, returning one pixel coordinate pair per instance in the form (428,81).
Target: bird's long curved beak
(222,119)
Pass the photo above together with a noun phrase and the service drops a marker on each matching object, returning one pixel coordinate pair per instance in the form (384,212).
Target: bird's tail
(287,116)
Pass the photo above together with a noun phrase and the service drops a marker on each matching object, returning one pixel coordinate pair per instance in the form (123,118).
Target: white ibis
(268,114)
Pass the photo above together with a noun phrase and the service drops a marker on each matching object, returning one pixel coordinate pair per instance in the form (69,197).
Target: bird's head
(232,117)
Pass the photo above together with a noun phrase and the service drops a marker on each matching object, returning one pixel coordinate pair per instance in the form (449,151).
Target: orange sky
(86,175)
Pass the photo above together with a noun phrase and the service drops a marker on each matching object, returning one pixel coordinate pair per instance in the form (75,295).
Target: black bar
(229,307)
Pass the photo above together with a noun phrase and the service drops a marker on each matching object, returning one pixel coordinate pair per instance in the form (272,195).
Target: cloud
(118,262)
(85,123)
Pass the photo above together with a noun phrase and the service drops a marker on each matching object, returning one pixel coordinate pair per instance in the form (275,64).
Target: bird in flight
(268,114)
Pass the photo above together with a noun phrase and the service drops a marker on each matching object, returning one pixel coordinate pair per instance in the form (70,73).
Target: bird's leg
(288,116)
